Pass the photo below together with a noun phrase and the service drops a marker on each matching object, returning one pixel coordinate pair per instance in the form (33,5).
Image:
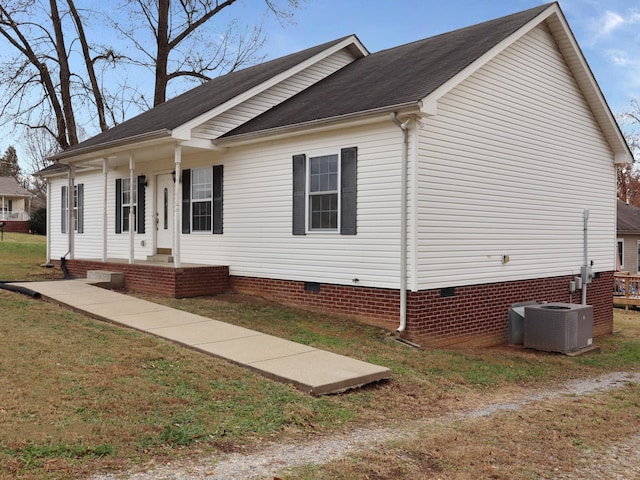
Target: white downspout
(132,217)
(403,221)
(177,203)
(70,211)
(105,170)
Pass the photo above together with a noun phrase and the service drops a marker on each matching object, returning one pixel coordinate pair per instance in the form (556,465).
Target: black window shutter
(348,190)
(118,205)
(142,180)
(186,201)
(64,206)
(80,188)
(10,205)
(299,193)
(217,198)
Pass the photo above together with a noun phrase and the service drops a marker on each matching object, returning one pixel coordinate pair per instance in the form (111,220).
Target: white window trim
(192,201)
(308,195)
(133,205)
(620,241)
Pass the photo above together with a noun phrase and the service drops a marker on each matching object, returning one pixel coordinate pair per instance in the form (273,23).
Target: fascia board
(183,132)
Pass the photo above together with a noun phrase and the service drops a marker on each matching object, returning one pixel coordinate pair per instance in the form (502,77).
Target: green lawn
(78,395)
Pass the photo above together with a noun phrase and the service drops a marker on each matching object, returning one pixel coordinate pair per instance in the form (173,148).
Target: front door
(164,213)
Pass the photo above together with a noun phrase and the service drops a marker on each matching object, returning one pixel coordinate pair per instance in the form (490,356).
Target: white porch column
(2,214)
(48,220)
(132,218)
(105,170)
(177,203)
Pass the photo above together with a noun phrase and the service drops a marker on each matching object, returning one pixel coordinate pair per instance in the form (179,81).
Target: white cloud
(610,22)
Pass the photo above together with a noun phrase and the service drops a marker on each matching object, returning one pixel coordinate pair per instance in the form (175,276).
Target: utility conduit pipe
(403,220)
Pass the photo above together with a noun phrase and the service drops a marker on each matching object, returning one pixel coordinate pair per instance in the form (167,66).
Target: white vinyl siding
(272,96)
(88,245)
(258,238)
(506,167)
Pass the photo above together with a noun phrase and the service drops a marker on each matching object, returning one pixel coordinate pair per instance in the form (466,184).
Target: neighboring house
(628,241)
(15,204)
(424,188)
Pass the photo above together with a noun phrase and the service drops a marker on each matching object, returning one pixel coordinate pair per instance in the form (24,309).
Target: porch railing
(19,215)
(626,289)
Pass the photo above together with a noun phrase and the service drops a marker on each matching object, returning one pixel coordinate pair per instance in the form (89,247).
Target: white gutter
(403,220)
(74,152)
(318,125)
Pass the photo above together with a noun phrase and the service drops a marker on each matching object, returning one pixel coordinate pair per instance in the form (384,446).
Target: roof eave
(322,124)
(83,153)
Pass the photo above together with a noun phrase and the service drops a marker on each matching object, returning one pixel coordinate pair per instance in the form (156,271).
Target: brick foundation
(16,226)
(474,315)
(161,279)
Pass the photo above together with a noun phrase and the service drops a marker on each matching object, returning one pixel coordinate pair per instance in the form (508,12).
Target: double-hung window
(325,193)
(77,212)
(126,203)
(202,206)
(201,199)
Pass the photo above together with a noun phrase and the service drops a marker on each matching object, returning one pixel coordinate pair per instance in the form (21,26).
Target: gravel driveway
(621,463)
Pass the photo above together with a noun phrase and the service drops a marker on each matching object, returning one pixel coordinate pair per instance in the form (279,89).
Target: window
(202,200)
(324,199)
(125,203)
(128,203)
(620,253)
(323,193)
(77,215)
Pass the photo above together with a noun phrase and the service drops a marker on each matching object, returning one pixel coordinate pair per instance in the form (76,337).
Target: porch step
(160,258)
(106,278)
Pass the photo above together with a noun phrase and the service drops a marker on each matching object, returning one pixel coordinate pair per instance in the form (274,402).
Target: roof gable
(193,106)
(398,76)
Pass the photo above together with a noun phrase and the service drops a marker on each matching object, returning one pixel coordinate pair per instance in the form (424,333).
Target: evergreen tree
(9,164)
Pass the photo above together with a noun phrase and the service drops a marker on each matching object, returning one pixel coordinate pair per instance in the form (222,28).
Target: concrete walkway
(311,370)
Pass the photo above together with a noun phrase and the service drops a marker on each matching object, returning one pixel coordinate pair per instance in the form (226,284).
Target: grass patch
(79,396)
(21,256)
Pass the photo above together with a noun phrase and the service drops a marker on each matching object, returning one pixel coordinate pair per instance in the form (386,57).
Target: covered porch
(155,277)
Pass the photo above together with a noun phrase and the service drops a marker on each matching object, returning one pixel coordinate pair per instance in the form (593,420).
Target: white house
(424,188)
(15,203)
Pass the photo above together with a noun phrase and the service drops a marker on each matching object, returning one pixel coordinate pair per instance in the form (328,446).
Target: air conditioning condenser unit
(558,327)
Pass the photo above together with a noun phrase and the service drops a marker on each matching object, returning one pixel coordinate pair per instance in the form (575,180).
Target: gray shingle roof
(193,103)
(391,77)
(10,187)
(628,220)
(396,76)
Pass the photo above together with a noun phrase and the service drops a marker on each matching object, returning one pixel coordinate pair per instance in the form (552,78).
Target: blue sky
(608,31)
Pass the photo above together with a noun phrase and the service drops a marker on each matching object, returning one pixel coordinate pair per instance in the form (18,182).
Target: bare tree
(56,69)
(628,176)
(39,81)
(38,146)
(180,45)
